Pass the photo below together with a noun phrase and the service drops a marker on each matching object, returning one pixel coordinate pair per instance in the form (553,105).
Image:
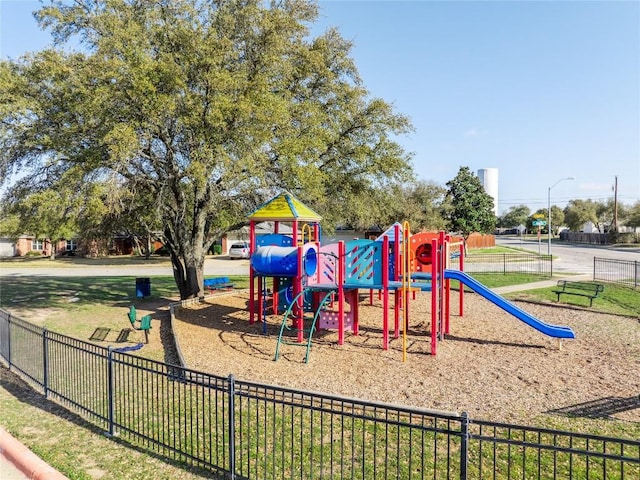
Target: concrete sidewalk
(542,284)
(8,471)
(17,462)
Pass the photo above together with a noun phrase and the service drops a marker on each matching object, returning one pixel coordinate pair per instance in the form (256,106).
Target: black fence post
(232,428)
(464,445)
(45,363)
(110,390)
(9,342)
(550,260)
(636,274)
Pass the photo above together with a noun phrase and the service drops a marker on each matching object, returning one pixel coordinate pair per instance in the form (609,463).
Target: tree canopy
(633,216)
(196,112)
(471,207)
(515,216)
(579,212)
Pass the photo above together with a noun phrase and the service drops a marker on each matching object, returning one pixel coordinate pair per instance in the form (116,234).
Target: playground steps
(283,339)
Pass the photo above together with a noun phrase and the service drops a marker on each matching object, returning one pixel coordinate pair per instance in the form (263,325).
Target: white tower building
(489,180)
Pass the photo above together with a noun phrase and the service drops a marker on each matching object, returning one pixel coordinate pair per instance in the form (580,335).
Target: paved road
(573,258)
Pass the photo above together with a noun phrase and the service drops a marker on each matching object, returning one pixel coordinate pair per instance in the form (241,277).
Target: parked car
(239,250)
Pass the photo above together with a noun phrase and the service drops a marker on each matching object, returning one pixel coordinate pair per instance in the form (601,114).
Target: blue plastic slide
(550,330)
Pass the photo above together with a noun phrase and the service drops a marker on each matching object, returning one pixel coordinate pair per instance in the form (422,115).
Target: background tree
(557,218)
(604,215)
(514,217)
(9,223)
(420,203)
(201,111)
(45,214)
(579,212)
(623,213)
(471,207)
(109,210)
(540,214)
(632,216)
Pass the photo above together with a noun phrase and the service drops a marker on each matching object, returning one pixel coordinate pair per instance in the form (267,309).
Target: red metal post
(341,273)
(355,306)
(385,293)
(447,308)
(252,291)
(434,295)
(299,305)
(461,287)
(441,294)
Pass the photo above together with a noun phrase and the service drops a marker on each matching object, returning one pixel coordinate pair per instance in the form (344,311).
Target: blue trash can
(143,287)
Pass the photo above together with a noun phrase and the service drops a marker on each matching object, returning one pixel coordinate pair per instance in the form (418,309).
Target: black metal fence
(248,430)
(624,272)
(504,263)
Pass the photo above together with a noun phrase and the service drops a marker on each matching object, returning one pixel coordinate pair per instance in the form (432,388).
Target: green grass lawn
(65,262)
(77,306)
(615,299)
(70,293)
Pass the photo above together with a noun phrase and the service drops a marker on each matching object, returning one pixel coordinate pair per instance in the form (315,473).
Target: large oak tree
(198,111)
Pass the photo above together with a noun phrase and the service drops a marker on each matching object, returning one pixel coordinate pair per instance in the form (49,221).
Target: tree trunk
(188,275)
(185,238)
(188,272)
(148,251)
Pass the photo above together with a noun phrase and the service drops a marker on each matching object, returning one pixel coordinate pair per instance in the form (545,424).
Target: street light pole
(549,211)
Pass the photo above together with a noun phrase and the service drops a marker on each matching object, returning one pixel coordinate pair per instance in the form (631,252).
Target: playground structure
(318,286)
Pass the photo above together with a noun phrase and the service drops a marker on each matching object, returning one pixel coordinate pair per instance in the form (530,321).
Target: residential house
(26,244)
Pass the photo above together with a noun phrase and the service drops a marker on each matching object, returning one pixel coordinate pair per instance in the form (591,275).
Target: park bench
(217,283)
(145,322)
(583,289)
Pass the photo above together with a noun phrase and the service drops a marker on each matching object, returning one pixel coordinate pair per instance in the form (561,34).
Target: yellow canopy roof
(284,207)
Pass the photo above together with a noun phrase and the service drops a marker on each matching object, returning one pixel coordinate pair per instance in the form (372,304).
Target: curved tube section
(273,261)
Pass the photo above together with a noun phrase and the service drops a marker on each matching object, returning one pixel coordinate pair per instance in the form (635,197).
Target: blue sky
(539,90)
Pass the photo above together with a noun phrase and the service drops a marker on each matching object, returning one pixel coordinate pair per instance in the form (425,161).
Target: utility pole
(615,205)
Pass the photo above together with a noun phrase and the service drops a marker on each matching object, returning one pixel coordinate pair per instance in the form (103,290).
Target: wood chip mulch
(491,365)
